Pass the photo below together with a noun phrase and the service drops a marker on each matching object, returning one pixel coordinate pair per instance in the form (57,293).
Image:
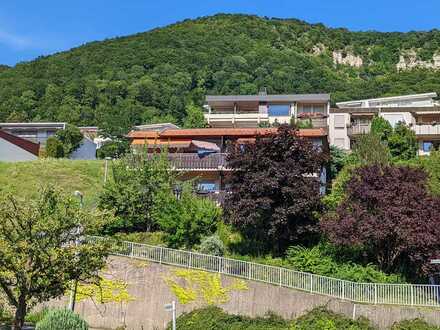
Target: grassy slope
(25,179)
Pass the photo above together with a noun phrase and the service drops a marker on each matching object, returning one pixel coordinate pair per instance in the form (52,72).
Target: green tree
(369,149)
(381,127)
(38,254)
(54,148)
(403,143)
(70,138)
(186,220)
(137,179)
(194,116)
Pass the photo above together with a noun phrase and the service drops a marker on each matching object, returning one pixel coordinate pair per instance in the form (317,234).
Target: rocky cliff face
(408,60)
(340,57)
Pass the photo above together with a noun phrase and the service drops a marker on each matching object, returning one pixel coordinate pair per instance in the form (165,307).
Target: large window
(339,121)
(207,186)
(278,110)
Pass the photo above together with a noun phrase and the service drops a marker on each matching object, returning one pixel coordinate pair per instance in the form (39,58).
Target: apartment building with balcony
(421,112)
(251,111)
(200,154)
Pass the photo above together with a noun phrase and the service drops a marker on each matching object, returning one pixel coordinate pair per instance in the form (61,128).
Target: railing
(371,293)
(426,129)
(192,161)
(217,196)
(358,130)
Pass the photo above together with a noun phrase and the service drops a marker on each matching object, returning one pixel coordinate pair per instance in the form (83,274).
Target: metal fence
(371,293)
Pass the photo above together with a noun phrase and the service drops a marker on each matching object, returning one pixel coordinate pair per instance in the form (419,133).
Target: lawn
(27,178)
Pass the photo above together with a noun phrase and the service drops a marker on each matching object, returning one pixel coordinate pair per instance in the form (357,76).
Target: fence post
(311,283)
(249,271)
(190,259)
(280,276)
(343,289)
(131,250)
(412,295)
(160,255)
(219,264)
(375,293)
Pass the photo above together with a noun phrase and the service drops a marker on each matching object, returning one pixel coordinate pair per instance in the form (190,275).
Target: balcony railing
(426,129)
(358,130)
(215,196)
(193,162)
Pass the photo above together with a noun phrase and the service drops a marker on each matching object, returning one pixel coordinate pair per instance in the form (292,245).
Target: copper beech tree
(389,215)
(275,189)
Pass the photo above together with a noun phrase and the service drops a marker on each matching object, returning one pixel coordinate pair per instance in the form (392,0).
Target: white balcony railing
(426,129)
(236,117)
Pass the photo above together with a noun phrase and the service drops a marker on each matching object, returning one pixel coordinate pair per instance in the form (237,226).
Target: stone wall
(149,292)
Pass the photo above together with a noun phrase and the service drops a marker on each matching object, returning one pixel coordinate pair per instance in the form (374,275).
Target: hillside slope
(24,180)
(151,76)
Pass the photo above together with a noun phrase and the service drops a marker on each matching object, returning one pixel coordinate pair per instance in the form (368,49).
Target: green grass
(25,179)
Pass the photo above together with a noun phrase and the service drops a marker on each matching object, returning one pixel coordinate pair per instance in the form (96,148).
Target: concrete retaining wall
(150,292)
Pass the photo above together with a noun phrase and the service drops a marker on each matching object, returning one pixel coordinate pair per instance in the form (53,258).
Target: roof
(29,146)
(269,98)
(219,132)
(33,125)
(390,98)
(433,109)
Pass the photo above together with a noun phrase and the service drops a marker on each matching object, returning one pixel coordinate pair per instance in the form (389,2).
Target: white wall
(338,136)
(9,152)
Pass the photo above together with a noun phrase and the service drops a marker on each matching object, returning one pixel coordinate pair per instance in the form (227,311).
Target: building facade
(200,154)
(420,112)
(251,111)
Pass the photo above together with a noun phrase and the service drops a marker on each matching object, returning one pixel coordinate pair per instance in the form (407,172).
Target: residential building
(16,149)
(226,111)
(34,132)
(200,154)
(421,112)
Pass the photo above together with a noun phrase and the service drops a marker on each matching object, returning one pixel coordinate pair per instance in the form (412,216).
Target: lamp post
(106,168)
(172,308)
(72,299)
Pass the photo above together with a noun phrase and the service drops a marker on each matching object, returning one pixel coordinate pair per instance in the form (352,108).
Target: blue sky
(32,28)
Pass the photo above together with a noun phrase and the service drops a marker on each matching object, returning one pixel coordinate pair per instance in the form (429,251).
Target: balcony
(358,130)
(313,122)
(223,117)
(426,129)
(192,162)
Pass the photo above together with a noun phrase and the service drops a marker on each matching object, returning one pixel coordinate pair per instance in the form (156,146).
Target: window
(311,108)
(339,121)
(279,110)
(427,146)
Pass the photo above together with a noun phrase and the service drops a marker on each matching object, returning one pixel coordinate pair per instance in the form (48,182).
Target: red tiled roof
(29,146)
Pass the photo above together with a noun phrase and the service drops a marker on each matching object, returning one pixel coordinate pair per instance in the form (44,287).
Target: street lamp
(106,168)
(172,308)
(72,299)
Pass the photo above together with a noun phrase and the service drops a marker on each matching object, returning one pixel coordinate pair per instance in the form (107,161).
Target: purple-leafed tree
(275,189)
(389,215)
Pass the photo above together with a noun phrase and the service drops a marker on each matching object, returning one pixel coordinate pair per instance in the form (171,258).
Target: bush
(322,319)
(416,324)
(212,245)
(213,318)
(70,138)
(187,220)
(113,149)
(62,319)
(154,238)
(54,148)
(315,260)
(37,316)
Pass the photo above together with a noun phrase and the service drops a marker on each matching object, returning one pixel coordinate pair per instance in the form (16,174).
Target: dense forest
(153,76)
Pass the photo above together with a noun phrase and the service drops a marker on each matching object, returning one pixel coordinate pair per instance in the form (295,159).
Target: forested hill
(151,76)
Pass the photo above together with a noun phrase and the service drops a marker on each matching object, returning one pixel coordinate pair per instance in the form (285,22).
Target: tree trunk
(20,313)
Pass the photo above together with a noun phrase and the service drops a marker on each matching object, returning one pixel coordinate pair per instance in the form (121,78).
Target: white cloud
(14,40)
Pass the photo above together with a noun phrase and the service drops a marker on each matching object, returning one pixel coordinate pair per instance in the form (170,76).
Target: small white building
(419,111)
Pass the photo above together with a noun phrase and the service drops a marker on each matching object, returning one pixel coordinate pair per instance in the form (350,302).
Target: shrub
(151,238)
(54,148)
(186,220)
(70,138)
(416,324)
(322,319)
(37,316)
(62,319)
(213,318)
(113,149)
(212,245)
